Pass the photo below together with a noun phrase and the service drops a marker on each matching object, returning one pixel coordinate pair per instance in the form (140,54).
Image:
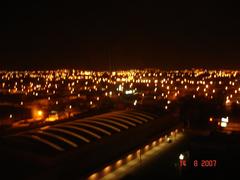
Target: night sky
(133,35)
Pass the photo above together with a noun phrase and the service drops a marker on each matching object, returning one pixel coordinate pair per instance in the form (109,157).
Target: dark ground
(223,148)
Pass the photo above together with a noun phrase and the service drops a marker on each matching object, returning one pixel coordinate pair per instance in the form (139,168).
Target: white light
(120,88)
(224,119)
(223,124)
(228,101)
(129,92)
(181,156)
(135,103)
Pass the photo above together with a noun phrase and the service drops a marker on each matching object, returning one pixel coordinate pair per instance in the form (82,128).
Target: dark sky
(133,35)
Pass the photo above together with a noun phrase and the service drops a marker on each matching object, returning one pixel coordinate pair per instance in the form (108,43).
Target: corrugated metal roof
(63,136)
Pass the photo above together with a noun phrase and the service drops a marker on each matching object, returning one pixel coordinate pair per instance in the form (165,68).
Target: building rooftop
(69,135)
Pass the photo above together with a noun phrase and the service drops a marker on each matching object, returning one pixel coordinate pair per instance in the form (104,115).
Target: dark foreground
(215,155)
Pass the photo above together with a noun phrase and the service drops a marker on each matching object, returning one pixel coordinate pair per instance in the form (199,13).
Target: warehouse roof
(72,134)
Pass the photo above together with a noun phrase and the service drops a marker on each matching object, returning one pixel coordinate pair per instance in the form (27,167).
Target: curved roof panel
(72,134)
(111,121)
(91,126)
(80,129)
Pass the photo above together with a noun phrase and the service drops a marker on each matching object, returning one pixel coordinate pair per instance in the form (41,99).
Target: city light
(135,103)
(224,119)
(224,122)
(38,114)
(58,88)
(129,91)
(181,157)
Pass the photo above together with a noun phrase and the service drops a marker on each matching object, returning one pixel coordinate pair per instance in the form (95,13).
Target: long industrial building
(74,149)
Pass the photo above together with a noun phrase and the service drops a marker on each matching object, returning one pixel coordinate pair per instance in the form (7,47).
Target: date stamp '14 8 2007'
(200,163)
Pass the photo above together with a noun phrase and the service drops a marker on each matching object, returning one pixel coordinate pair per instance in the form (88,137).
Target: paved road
(157,162)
